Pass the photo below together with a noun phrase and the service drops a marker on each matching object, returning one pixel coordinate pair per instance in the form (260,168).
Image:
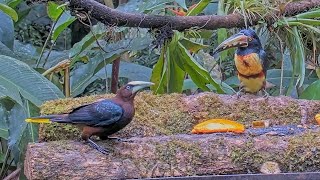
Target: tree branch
(114,17)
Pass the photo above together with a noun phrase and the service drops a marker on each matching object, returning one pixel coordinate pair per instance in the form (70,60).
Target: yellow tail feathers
(43,120)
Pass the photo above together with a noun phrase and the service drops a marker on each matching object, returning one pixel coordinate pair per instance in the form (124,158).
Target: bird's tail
(48,119)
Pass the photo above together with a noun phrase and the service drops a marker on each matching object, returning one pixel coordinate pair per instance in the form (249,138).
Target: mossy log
(175,155)
(164,146)
(176,113)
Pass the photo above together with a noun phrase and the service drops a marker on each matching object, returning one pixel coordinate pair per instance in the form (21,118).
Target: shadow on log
(162,145)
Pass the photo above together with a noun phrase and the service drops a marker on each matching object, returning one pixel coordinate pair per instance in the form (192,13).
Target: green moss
(169,114)
(302,154)
(169,153)
(246,112)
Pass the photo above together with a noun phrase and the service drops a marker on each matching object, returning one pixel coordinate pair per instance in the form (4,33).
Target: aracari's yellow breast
(248,64)
(252,85)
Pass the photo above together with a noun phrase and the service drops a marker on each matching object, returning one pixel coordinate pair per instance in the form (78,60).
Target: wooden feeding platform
(161,144)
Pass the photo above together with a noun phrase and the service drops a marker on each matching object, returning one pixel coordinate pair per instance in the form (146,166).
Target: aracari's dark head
(246,40)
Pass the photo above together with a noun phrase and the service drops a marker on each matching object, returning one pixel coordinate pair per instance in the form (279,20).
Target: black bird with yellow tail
(250,60)
(102,117)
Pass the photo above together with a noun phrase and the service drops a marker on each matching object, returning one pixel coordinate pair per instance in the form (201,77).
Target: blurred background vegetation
(46,53)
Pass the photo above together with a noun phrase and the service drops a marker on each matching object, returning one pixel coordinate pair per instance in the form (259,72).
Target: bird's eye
(128,87)
(250,38)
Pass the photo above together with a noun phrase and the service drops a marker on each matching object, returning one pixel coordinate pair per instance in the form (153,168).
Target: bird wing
(101,113)
(264,62)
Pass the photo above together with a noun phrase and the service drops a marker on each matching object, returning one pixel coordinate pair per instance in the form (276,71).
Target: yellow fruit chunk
(218,125)
(317,117)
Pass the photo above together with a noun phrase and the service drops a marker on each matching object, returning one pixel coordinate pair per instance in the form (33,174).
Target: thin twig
(282,63)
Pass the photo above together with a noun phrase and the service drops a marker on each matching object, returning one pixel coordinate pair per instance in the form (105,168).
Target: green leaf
(98,30)
(310,14)
(16,127)
(182,3)
(14,3)
(159,75)
(312,92)
(189,84)
(197,73)
(18,76)
(6,30)
(191,45)
(198,8)
(147,6)
(9,11)
(175,74)
(296,21)
(299,57)
(4,129)
(63,22)
(82,75)
(54,11)
(203,33)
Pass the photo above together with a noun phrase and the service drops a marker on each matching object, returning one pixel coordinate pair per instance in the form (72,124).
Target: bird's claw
(97,147)
(238,94)
(266,94)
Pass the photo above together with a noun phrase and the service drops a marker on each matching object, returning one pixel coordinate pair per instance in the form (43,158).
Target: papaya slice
(317,118)
(218,126)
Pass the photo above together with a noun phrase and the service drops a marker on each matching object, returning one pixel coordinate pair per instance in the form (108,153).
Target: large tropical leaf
(16,76)
(159,74)
(6,30)
(9,11)
(131,71)
(312,91)
(175,63)
(4,133)
(82,75)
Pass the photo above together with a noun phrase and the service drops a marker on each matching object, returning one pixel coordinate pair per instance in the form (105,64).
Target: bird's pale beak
(139,85)
(237,40)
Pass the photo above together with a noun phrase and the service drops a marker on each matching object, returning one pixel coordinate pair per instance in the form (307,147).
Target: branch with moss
(114,17)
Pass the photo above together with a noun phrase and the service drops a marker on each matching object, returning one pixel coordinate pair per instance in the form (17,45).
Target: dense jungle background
(48,51)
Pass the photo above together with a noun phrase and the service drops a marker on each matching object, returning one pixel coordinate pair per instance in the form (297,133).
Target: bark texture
(114,17)
(161,144)
(176,155)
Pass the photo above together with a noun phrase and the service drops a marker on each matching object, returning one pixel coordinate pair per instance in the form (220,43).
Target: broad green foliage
(88,49)
(198,8)
(182,3)
(181,64)
(6,30)
(18,78)
(61,17)
(97,32)
(9,11)
(54,11)
(312,92)
(174,63)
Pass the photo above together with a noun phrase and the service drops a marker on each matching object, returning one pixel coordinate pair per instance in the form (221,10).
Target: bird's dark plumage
(98,114)
(103,117)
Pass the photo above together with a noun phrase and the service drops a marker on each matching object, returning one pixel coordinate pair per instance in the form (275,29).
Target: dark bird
(102,117)
(250,60)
